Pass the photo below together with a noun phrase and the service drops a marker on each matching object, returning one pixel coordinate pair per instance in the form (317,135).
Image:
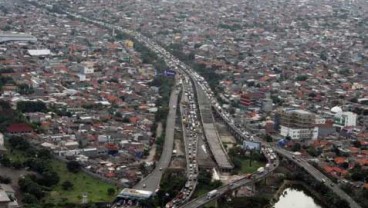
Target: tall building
(297,124)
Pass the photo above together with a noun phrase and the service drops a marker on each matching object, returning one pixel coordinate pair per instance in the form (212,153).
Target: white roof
(39,52)
(135,193)
(336,109)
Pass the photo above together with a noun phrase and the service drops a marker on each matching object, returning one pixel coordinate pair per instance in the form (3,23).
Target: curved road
(202,200)
(318,175)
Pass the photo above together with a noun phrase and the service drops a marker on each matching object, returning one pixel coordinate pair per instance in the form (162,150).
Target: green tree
(73,166)
(296,147)
(268,138)
(110,191)
(31,106)
(5,161)
(67,185)
(50,178)
(25,89)
(29,199)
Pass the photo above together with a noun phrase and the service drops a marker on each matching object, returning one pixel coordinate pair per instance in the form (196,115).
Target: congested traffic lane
(176,63)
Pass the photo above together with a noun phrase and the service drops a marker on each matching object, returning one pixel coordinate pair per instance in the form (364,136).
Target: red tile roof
(340,160)
(335,170)
(18,128)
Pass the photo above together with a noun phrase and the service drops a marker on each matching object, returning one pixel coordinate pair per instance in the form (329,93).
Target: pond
(296,197)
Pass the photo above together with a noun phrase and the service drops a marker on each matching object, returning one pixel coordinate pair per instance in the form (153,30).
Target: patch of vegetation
(205,183)
(4,80)
(31,106)
(171,183)
(96,190)
(246,162)
(54,184)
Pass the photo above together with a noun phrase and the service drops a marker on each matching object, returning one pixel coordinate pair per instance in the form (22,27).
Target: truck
(260,170)
(211,194)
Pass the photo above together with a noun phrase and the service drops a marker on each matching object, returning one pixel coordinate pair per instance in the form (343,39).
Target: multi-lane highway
(152,181)
(191,135)
(165,159)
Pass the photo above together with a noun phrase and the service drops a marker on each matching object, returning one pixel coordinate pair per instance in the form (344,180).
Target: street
(152,181)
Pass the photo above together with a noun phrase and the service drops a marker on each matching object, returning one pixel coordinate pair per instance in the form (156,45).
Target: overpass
(210,131)
(200,201)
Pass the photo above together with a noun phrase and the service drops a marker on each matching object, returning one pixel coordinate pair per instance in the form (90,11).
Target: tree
(25,89)
(50,178)
(341,203)
(31,106)
(67,185)
(29,199)
(5,161)
(44,154)
(312,151)
(296,147)
(110,191)
(19,143)
(301,78)
(73,166)
(268,138)
(5,180)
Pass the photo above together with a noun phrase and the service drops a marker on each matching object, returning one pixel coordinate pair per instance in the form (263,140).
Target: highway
(152,181)
(190,132)
(165,158)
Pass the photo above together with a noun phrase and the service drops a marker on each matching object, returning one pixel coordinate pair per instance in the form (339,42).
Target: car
(144,185)
(160,168)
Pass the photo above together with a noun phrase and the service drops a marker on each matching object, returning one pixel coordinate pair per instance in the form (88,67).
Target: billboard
(251,145)
(169,73)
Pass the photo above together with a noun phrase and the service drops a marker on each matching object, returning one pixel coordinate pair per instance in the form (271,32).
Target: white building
(87,70)
(344,119)
(299,133)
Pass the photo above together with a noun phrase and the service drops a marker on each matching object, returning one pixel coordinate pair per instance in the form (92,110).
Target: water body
(296,197)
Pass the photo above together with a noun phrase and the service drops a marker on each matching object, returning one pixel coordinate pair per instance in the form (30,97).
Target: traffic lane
(152,181)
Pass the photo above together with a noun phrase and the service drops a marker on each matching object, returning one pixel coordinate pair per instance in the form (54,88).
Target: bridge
(202,200)
(210,131)
(198,202)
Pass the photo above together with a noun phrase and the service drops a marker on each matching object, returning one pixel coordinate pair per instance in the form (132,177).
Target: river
(296,197)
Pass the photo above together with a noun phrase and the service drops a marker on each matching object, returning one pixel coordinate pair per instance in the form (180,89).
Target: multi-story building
(297,124)
(345,119)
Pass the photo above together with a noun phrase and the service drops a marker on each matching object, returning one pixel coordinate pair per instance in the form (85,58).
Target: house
(7,197)
(19,128)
